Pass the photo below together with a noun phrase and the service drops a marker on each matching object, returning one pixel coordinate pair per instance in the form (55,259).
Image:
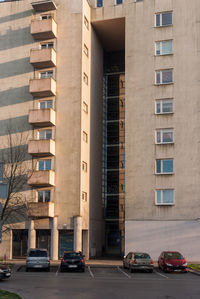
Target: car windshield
(141,256)
(72,255)
(173,255)
(37,253)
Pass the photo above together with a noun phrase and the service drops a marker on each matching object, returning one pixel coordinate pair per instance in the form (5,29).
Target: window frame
(42,45)
(162,203)
(161,166)
(45,134)
(162,131)
(116,3)
(45,166)
(43,195)
(46,72)
(161,77)
(98,4)
(161,47)
(161,17)
(161,101)
(46,104)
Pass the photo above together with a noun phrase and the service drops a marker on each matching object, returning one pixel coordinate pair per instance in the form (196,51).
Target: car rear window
(72,255)
(38,253)
(173,255)
(141,256)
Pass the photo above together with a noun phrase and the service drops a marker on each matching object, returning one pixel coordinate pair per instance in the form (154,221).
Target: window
(164,136)
(84,196)
(163,48)
(47,45)
(165,197)
(47,74)
(164,76)
(85,50)
(86,22)
(99,3)
(119,2)
(85,78)
(164,166)
(46,104)
(85,136)
(44,164)
(44,196)
(139,0)
(164,106)
(85,107)
(45,134)
(164,19)
(45,17)
(84,166)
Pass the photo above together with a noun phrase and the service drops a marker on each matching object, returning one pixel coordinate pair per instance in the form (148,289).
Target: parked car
(172,261)
(138,261)
(5,271)
(37,258)
(72,260)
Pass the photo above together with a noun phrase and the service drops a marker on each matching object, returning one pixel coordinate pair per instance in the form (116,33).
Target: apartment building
(103,98)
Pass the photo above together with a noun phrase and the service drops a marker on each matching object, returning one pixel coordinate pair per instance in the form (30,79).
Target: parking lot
(99,282)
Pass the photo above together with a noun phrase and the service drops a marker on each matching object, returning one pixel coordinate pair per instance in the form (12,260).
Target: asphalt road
(103,283)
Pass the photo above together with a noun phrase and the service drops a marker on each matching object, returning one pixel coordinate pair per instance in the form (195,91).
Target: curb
(11,291)
(194,272)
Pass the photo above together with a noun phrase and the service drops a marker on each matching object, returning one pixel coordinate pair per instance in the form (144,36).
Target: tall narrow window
(99,3)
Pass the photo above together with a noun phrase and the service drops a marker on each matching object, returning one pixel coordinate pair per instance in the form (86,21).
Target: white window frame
(163,203)
(46,104)
(47,74)
(45,134)
(161,15)
(161,77)
(44,160)
(162,131)
(43,195)
(162,101)
(161,47)
(162,172)
(47,45)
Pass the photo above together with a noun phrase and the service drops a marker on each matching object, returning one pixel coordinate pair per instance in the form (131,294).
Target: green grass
(194,267)
(8,295)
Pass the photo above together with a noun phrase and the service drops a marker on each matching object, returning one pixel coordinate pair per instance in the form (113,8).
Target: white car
(37,258)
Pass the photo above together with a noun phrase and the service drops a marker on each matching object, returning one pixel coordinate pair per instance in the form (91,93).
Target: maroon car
(172,261)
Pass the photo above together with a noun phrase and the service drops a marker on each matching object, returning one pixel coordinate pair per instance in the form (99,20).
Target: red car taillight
(82,260)
(152,262)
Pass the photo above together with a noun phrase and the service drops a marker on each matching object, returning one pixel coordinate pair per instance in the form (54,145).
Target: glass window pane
(40,196)
(167,76)
(158,107)
(47,164)
(99,3)
(41,165)
(158,77)
(49,104)
(167,136)
(47,195)
(158,48)
(157,20)
(48,134)
(167,106)
(168,196)
(42,105)
(166,19)
(158,196)
(158,166)
(167,47)
(119,1)
(167,166)
(41,134)
(158,137)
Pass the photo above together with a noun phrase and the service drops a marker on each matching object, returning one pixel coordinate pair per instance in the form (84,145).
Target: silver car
(37,258)
(138,261)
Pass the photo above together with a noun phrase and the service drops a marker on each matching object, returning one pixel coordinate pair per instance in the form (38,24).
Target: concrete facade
(71,76)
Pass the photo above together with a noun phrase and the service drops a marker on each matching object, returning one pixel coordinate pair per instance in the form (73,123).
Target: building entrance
(19,243)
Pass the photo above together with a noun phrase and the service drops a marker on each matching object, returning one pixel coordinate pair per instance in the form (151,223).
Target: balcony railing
(43,58)
(40,209)
(43,29)
(44,87)
(45,5)
(41,148)
(42,117)
(43,178)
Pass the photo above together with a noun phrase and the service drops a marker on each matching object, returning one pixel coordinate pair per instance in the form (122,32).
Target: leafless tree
(17,169)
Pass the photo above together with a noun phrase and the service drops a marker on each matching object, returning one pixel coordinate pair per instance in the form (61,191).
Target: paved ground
(111,282)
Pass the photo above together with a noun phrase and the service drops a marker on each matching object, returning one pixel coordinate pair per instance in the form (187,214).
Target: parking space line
(161,274)
(123,272)
(58,270)
(89,269)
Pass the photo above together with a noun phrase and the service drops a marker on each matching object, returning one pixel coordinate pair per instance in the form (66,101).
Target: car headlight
(185,264)
(170,265)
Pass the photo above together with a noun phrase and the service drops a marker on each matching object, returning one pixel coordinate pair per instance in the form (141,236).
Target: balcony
(43,58)
(45,5)
(45,87)
(41,148)
(43,29)
(42,178)
(42,117)
(40,209)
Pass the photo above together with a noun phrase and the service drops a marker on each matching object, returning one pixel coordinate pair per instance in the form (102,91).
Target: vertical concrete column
(78,233)
(31,235)
(54,238)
